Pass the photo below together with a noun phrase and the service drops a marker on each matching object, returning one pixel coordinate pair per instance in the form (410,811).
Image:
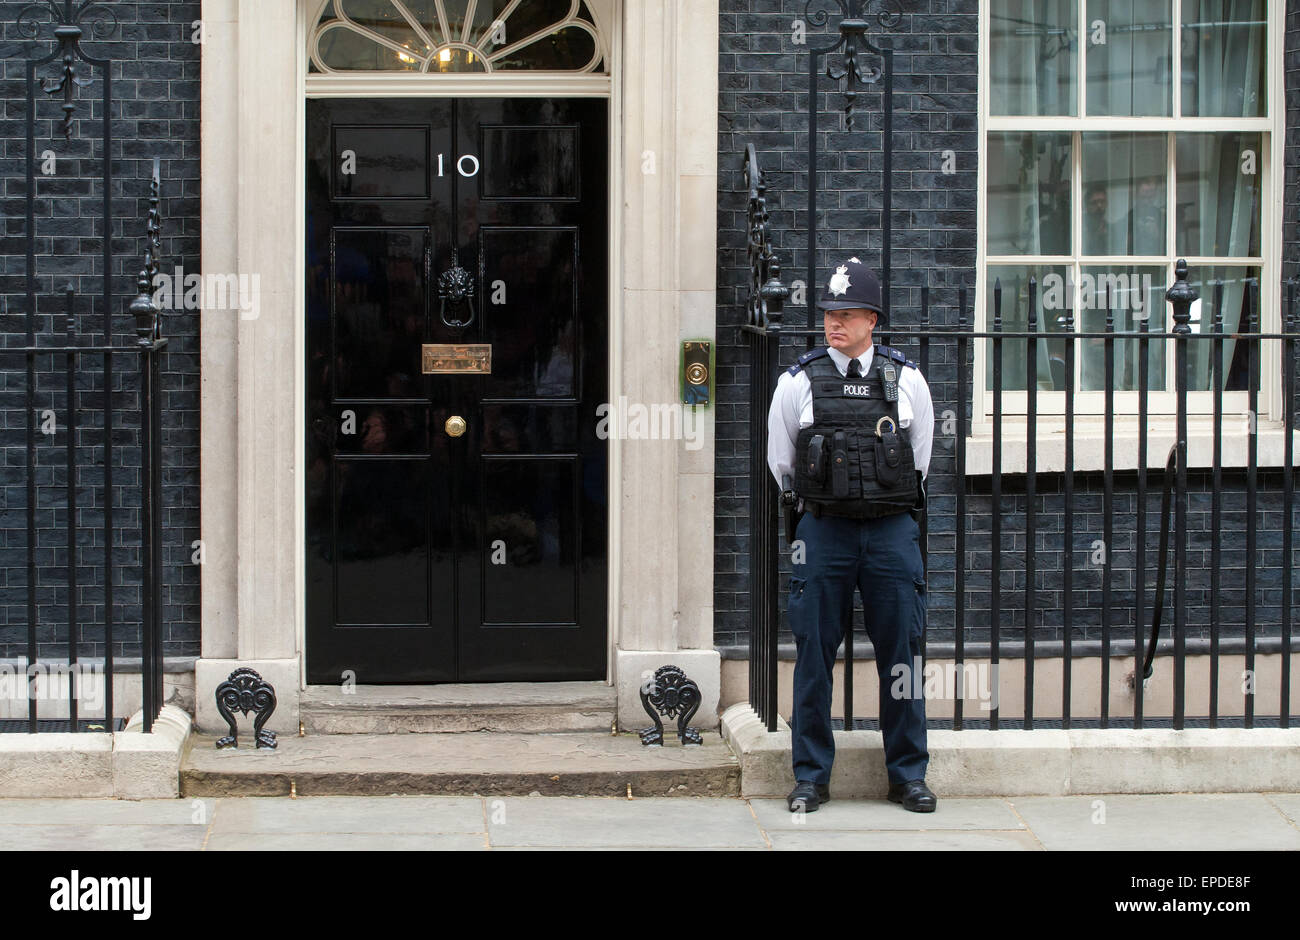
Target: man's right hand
(788,504)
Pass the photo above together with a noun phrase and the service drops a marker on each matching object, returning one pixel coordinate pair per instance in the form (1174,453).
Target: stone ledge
(126,764)
(76,764)
(1089,443)
(148,766)
(1034,763)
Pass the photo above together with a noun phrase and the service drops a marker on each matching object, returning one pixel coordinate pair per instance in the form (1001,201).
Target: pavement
(1191,821)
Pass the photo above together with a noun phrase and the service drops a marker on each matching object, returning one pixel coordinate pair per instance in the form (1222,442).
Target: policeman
(849,432)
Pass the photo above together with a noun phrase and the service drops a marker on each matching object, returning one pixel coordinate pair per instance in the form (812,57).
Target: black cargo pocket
(918,625)
(889,457)
(794,608)
(840,466)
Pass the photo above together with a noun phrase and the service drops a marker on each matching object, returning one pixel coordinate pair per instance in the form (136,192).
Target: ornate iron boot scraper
(673,695)
(245,691)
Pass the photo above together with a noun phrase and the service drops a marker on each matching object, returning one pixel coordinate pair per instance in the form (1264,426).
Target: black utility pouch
(840,466)
(889,458)
(817,459)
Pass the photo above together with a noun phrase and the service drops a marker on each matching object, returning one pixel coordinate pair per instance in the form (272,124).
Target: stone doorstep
(1034,763)
(510,707)
(128,764)
(497,763)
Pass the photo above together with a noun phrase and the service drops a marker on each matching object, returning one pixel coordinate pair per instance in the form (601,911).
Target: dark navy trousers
(882,559)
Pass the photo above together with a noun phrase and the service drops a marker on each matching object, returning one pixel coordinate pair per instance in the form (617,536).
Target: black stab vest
(843,467)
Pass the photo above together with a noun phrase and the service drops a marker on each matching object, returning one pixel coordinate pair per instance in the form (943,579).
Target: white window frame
(1089,421)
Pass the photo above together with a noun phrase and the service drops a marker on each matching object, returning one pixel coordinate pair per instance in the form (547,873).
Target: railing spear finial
(1182,295)
(143,307)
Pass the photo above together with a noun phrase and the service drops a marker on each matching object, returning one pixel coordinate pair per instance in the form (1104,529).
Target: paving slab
(942,840)
(346,842)
(1220,821)
(117,838)
(462,764)
(975,813)
(412,815)
(703,823)
(1288,804)
(104,812)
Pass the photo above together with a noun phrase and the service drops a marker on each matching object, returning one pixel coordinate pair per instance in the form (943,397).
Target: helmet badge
(840,281)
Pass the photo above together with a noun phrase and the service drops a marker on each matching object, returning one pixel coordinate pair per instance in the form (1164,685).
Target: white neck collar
(841,360)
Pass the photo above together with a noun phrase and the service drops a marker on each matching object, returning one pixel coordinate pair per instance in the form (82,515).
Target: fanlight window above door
(456,36)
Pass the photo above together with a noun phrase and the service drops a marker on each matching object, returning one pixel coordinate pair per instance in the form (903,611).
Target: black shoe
(914,795)
(806,796)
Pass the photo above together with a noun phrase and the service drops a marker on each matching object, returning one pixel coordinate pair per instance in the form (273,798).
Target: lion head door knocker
(245,691)
(673,695)
(456,289)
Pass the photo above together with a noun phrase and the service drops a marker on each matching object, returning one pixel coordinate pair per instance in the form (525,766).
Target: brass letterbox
(452,358)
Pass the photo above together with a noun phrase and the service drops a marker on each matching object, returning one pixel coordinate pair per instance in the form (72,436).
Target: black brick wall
(155,113)
(763,100)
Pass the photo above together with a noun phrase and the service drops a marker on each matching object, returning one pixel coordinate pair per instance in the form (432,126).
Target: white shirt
(792,409)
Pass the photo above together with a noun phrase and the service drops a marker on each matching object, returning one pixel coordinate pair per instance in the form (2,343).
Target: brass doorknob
(455,426)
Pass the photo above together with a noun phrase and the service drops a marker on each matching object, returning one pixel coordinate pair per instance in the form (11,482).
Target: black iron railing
(75,69)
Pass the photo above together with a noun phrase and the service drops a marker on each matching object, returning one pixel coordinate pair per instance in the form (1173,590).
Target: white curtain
(1034,57)
(1226,200)
(1033,71)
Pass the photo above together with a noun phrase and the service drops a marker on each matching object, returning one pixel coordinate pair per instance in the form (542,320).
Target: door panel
(381,162)
(382,540)
(511,170)
(530,511)
(535,332)
(378,293)
(433,557)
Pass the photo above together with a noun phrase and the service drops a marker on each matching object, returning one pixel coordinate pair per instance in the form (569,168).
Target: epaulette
(806,358)
(897,356)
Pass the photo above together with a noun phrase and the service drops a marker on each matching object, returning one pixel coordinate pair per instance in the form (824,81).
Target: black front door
(456,519)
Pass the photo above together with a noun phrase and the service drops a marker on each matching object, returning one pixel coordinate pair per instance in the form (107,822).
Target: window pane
(568,48)
(1235,373)
(383,18)
(1130,51)
(1136,295)
(1033,59)
(1124,187)
(341,48)
(1029,194)
(1054,296)
(1224,58)
(1219,194)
